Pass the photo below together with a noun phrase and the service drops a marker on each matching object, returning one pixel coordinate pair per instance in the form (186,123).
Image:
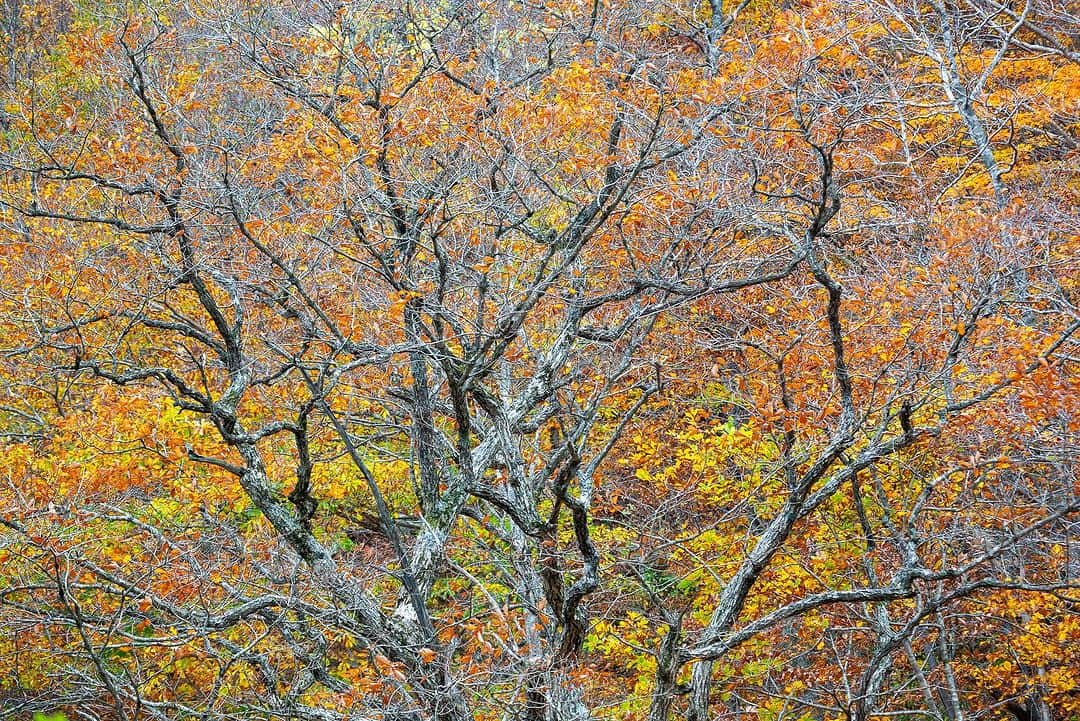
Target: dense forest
(540,360)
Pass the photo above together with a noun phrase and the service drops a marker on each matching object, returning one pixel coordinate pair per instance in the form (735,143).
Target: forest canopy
(552,360)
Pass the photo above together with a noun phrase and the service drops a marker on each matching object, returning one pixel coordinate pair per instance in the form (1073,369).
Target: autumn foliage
(546,361)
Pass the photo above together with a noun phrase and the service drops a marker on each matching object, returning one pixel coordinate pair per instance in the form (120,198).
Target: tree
(459,361)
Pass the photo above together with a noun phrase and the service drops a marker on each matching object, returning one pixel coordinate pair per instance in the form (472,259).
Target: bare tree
(435,253)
